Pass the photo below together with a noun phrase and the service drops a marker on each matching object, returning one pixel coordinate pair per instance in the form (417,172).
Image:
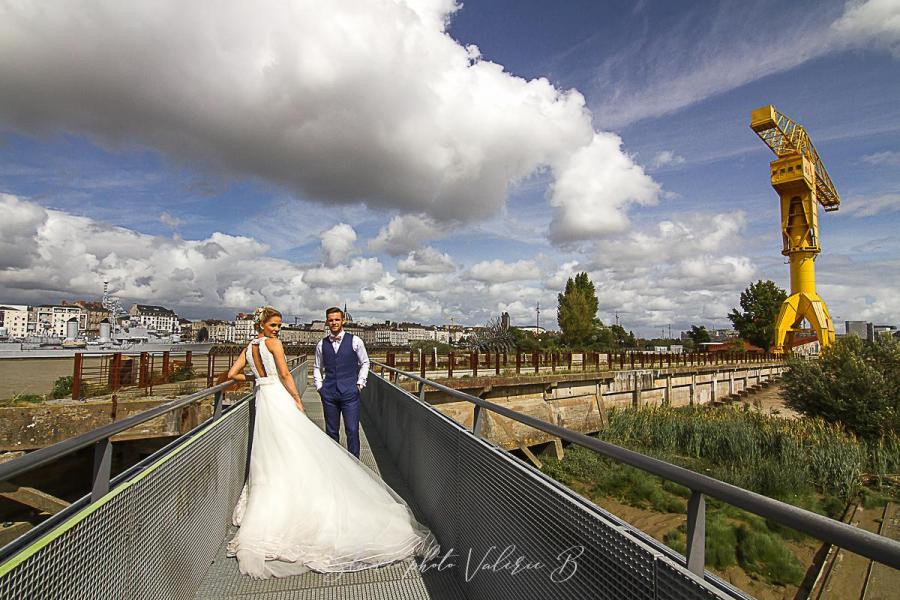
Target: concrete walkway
(401,580)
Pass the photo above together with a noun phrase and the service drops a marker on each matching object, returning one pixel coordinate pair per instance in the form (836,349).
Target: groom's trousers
(347,405)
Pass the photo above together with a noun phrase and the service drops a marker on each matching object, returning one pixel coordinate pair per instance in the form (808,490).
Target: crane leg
(797,308)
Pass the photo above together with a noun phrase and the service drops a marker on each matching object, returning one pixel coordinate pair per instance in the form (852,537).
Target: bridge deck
(401,580)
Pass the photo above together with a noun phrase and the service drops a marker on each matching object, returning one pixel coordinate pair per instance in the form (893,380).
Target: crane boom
(785,137)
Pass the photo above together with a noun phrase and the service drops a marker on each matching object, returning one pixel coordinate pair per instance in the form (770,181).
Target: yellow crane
(801,180)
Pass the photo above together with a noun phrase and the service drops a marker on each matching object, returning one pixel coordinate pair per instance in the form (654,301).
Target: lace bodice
(268,362)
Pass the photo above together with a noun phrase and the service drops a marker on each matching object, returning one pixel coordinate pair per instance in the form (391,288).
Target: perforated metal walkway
(401,581)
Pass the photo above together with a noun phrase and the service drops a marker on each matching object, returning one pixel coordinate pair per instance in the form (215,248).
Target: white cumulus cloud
(338,243)
(426,260)
(405,233)
(593,189)
(498,271)
(342,102)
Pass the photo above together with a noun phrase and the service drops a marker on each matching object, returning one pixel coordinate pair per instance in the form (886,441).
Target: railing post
(210,367)
(477,421)
(553,362)
(584,360)
(117,371)
(609,360)
(642,361)
(76,375)
(166,366)
(217,410)
(518,362)
(569,360)
(189,359)
(496,363)
(473,363)
(102,469)
(144,374)
(421,364)
(450,358)
(696,534)
(536,361)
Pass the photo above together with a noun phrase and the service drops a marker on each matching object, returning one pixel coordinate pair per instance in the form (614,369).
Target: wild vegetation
(809,463)
(854,383)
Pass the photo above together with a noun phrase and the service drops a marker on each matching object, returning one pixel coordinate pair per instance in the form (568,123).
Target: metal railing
(864,543)
(160,526)
(101,437)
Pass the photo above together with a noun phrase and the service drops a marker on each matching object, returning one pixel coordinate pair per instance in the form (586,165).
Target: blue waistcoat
(341,368)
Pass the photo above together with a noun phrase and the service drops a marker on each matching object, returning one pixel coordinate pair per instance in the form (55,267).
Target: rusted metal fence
(477,364)
(132,374)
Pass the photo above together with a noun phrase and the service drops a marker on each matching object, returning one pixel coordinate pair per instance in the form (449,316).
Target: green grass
(807,463)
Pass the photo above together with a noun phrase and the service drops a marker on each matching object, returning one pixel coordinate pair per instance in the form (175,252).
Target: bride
(309,504)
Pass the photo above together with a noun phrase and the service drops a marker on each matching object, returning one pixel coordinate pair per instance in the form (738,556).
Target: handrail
(864,543)
(100,437)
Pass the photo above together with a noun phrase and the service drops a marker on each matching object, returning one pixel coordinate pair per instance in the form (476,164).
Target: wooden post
(569,359)
(642,360)
(412,364)
(189,359)
(609,361)
(76,375)
(669,359)
(144,372)
(584,360)
(473,363)
(621,360)
(421,364)
(450,357)
(536,360)
(115,371)
(518,362)
(553,362)
(497,363)
(597,360)
(632,359)
(166,365)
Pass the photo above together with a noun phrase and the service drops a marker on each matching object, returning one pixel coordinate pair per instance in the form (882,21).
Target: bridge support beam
(696,534)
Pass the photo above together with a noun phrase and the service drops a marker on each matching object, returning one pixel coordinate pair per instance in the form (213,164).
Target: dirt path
(769,401)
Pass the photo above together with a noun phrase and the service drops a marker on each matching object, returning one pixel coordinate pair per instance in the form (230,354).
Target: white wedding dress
(309,504)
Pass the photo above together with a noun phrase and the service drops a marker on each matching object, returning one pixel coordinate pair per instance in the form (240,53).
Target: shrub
(62,387)
(182,374)
(854,383)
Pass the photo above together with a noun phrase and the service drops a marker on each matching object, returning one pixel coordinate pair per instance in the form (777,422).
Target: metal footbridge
(158,529)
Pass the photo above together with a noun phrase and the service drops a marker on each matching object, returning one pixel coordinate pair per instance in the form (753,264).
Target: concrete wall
(580,402)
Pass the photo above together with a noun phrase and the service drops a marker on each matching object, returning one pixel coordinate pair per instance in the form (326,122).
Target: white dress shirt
(361,356)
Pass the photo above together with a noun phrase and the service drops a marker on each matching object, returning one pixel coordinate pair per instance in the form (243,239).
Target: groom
(340,372)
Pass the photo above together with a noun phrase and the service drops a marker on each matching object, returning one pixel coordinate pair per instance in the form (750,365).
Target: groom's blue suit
(339,392)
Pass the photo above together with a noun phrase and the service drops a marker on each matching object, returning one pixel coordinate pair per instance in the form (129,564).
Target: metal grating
(479,499)
(151,537)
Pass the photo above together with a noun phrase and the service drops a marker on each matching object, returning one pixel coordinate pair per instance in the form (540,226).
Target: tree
(760,302)
(699,335)
(577,311)
(855,383)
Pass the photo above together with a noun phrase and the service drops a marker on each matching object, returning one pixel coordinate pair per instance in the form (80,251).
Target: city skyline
(369,153)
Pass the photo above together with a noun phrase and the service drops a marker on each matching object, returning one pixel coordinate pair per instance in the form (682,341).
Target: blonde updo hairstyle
(263,314)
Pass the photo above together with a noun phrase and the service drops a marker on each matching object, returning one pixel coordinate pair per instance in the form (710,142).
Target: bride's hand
(299,405)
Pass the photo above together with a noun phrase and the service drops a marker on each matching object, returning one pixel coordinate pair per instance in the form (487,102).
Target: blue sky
(307,156)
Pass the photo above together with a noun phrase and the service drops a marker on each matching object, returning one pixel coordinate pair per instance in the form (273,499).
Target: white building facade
(155,318)
(51,320)
(14,318)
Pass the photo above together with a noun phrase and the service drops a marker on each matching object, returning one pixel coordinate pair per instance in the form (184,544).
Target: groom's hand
(359,388)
